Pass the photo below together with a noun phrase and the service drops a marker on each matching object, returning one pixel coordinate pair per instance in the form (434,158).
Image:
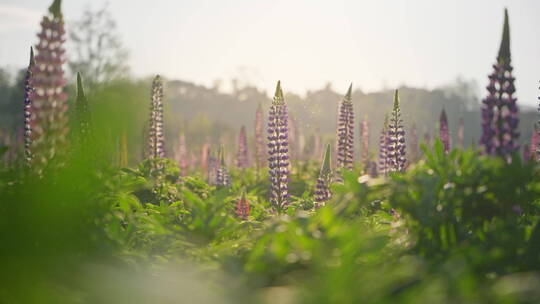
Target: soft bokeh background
(306,43)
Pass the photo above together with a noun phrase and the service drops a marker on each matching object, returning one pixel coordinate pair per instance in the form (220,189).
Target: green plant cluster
(453,228)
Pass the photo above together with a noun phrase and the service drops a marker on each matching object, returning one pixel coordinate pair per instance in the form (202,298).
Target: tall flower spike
(242,156)
(461,134)
(222,177)
(444,133)
(242,207)
(156,139)
(413,148)
(322,189)
(345,132)
(499,110)
(278,151)
(396,139)
(364,143)
(383,151)
(82,113)
(28,92)
(260,147)
(48,119)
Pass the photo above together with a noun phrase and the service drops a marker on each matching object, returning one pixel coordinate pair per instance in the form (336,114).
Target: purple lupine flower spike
(396,139)
(260,147)
(156,139)
(28,92)
(345,132)
(223,178)
(242,155)
(364,143)
(322,188)
(461,134)
(278,151)
(383,153)
(48,119)
(499,110)
(444,133)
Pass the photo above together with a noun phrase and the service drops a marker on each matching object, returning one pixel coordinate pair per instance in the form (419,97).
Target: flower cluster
(156,139)
(345,132)
(28,92)
(278,151)
(322,188)
(382,167)
(243,207)
(223,178)
(242,156)
(48,119)
(395,148)
(444,132)
(499,110)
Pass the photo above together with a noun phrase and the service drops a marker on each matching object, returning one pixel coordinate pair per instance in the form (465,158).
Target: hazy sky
(306,43)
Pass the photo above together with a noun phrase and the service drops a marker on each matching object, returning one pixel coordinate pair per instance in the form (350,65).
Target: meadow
(97,205)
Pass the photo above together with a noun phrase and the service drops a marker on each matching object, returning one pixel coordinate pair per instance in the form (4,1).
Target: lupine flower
(322,189)
(444,133)
(242,207)
(499,110)
(364,142)
(278,151)
(461,134)
(242,156)
(28,93)
(82,114)
(156,139)
(260,147)
(345,132)
(223,178)
(181,155)
(413,148)
(396,139)
(535,140)
(383,153)
(48,119)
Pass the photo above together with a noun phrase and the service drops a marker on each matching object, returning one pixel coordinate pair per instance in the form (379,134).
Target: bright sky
(306,43)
